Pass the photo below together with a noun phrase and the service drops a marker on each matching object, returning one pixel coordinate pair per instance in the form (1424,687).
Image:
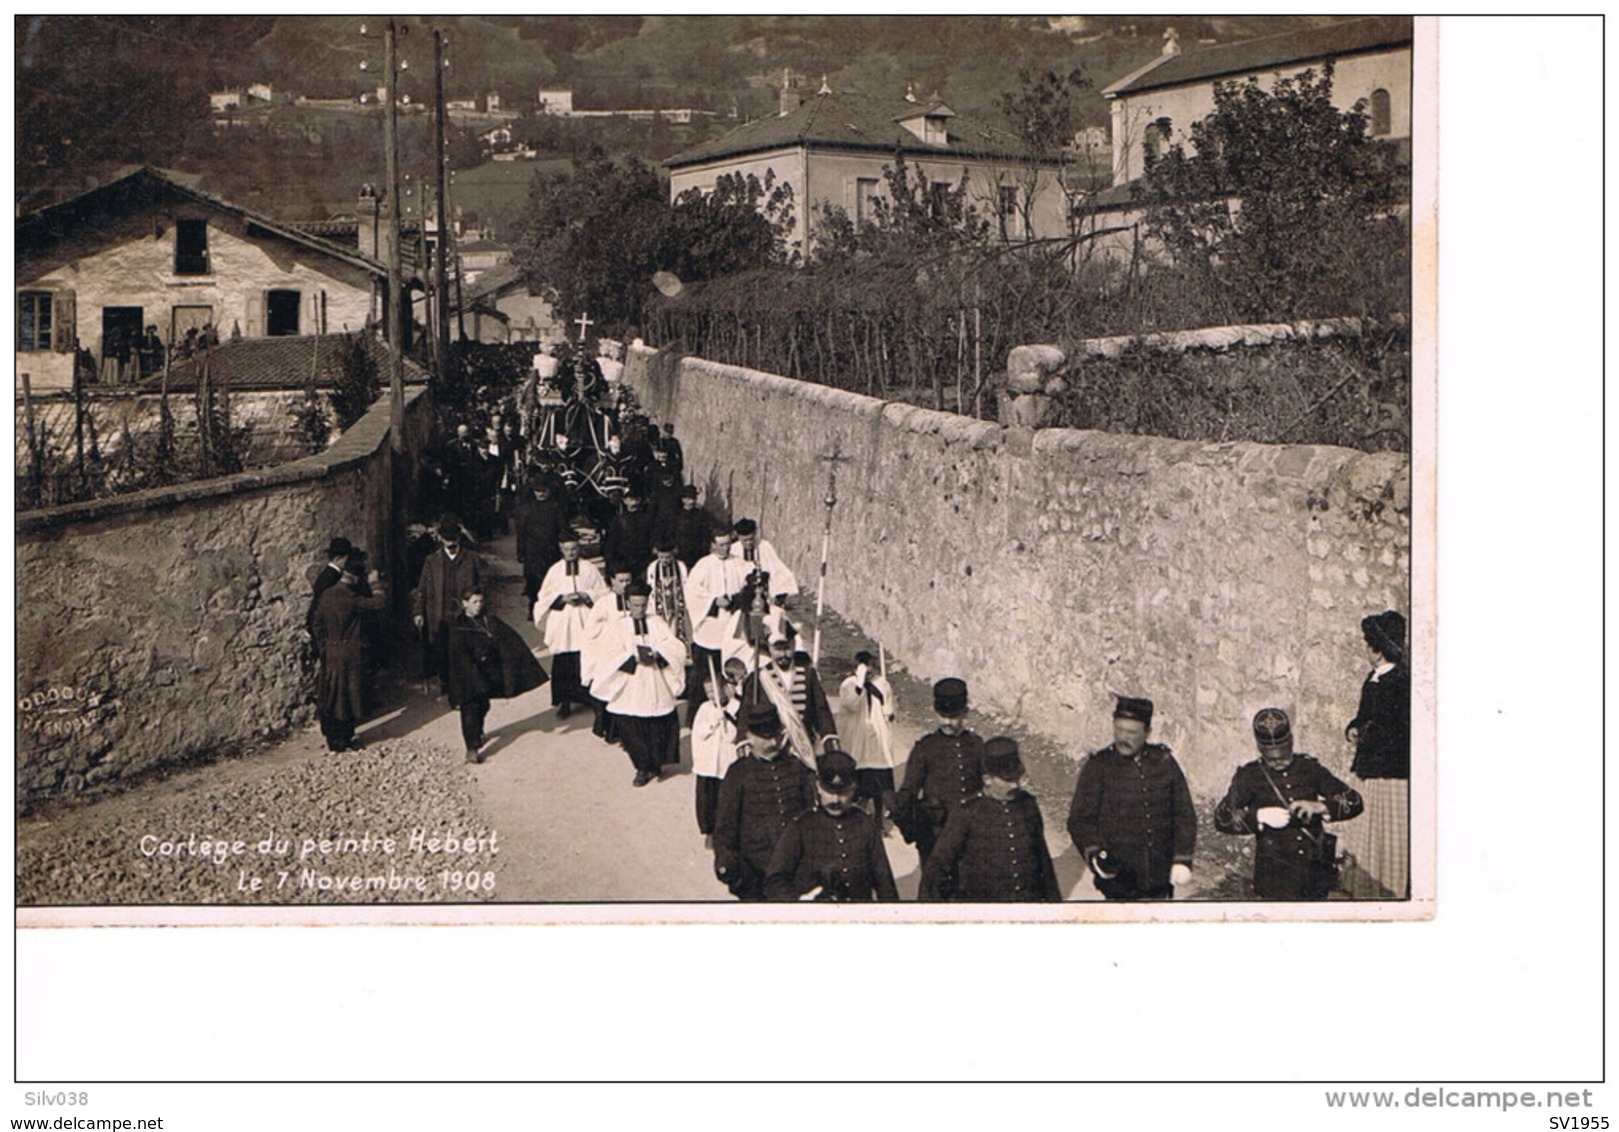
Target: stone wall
(1055,568)
(164,625)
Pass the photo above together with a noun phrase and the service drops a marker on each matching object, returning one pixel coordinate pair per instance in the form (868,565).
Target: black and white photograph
(556,471)
(559,460)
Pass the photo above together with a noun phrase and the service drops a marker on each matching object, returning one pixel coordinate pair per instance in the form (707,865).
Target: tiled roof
(492,282)
(1230,60)
(278,363)
(849,121)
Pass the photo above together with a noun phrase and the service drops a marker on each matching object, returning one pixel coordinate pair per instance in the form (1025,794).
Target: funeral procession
(707,461)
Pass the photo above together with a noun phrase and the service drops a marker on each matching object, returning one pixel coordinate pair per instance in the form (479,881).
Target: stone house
(832,149)
(149,249)
(499,306)
(1154,106)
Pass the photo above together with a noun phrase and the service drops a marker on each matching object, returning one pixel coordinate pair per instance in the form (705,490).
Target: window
(939,199)
(281,313)
(1156,135)
(191,247)
(865,198)
(34,320)
(1382,114)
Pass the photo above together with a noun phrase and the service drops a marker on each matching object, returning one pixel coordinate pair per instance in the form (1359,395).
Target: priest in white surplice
(714,600)
(572,587)
(644,666)
(760,555)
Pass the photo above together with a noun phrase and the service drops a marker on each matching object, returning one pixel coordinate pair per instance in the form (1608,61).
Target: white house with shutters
(148,250)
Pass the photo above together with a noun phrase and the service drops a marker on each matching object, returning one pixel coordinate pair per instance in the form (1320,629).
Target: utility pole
(392,313)
(441,289)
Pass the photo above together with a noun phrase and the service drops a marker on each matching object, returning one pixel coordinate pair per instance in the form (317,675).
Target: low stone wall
(162,625)
(1055,568)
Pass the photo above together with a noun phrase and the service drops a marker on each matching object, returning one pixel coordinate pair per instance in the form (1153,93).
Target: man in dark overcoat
(340,630)
(1132,818)
(337,552)
(541,519)
(446,575)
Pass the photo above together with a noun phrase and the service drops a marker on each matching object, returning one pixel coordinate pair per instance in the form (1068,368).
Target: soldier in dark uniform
(764,790)
(993,848)
(835,851)
(1132,817)
(1282,799)
(945,769)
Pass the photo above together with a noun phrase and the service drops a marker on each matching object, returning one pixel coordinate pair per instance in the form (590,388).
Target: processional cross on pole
(583,322)
(833,460)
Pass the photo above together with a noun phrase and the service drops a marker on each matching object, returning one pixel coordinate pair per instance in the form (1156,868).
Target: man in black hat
(1132,817)
(445,577)
(541,520)
(337,551)
(835,851)
(629,537)
(945,769)
(693,528)
(1282,798)
(764,790)
(993,848)
(671,448)
(340,692)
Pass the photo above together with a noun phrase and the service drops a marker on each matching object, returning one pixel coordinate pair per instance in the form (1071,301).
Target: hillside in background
(97,92)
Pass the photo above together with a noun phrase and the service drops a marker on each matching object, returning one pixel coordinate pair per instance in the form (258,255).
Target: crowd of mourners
(646,600)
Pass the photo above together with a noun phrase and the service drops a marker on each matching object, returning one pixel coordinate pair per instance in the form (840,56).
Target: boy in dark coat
(488,661)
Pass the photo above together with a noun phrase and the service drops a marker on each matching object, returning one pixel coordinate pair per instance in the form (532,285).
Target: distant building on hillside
(832,149)
(556,102)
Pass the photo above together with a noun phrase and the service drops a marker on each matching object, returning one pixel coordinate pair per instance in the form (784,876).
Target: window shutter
(255,315)
(64,322)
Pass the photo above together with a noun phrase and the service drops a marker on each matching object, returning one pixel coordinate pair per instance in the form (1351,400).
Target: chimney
(790,98)
(910,92)
(366,213)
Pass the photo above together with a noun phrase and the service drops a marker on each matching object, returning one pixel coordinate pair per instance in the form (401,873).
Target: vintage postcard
(725,469)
